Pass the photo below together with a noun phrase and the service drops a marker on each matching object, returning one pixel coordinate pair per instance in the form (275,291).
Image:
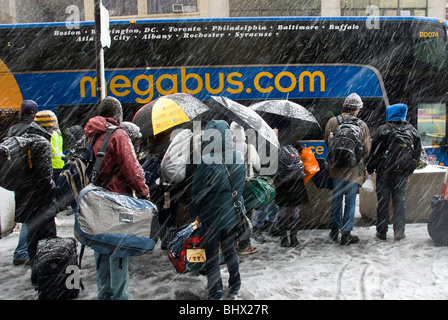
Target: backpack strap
(101,154)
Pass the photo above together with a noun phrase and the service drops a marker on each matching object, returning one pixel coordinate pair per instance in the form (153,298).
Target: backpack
(78,170)
(346,148)
(400,150)
(57,269)
(15,160)
(290,166)
(176,158)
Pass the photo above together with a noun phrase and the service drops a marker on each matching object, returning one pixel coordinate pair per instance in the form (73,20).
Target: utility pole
(99,53)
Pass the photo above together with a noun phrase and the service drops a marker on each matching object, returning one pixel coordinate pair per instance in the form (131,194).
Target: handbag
(310,163)
(243,223)
(258,192)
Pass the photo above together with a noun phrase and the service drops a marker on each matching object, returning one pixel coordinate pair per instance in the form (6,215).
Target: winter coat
(290,193)
(129,175)
(395,116)
(356,174)
(212,198)
(37,194)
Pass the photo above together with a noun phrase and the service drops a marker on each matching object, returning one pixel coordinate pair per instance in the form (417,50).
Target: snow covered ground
(411,269)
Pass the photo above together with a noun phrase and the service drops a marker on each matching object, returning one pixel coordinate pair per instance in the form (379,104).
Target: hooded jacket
(37,194)
(119,158)
(395,116)
(212,198)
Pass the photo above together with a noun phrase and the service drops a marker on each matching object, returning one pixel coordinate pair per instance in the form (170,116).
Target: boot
(293,241)
(347,238)
(334,234)
(284,242)
(258,235)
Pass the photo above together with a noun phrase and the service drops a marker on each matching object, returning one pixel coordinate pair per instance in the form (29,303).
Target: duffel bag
(115,224)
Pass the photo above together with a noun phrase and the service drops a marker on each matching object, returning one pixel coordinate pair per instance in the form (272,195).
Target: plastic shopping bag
(368,185)
(310,163)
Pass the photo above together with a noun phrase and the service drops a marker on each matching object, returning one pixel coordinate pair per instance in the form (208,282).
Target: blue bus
(314,61)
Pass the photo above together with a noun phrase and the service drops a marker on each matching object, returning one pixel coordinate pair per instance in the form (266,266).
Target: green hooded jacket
(212,198)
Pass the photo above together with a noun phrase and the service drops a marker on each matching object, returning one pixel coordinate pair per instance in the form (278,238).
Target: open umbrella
(294,120)
(244,116)
(168,112)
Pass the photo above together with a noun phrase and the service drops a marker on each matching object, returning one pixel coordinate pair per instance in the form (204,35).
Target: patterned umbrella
(168,112)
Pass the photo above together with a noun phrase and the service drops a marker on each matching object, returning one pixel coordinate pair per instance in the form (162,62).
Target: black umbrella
(292,119)
(244,116)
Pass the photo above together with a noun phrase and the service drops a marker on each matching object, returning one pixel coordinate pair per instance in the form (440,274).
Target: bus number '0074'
(429,34)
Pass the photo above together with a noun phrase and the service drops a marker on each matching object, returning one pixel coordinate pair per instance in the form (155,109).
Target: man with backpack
(396,152)
(28,109)
(123,174)
(35,195)
(349,145)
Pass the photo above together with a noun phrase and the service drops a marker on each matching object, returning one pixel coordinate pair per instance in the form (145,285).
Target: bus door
(431,124)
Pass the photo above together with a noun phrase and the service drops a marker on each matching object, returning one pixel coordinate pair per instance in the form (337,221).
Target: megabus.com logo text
(237,82)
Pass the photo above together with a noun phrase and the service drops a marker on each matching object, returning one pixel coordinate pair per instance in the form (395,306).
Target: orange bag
(310,163)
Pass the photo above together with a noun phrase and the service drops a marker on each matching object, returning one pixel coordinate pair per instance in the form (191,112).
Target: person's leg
(294,213)
(336,208)
(399,206)
(231,258)
(119,277)
(212,269)
(20,254)
(351,190)
(383,193)
(103,280)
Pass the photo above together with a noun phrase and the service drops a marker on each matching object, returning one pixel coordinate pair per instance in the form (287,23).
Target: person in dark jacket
(213,203)
(289,196)
(36,198)
(392,181)
(28,110)
(126,176)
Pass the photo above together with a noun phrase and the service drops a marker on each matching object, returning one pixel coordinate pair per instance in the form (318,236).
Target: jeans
(350,190)
(112,277)
(269,213)
(395,185)
(21,252)
(227,237)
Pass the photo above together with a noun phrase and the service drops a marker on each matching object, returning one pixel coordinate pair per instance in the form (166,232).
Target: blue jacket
(212,198)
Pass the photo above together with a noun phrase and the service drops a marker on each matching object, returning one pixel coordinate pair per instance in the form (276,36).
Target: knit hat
(132,129)
(110,107)
(29,107)
(46,119)
(353,101)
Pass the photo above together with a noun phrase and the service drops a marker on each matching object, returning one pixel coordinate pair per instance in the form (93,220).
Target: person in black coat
(393,163)
(36,198)
(28,110)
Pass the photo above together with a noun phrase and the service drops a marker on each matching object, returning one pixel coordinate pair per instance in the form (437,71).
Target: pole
(99,53)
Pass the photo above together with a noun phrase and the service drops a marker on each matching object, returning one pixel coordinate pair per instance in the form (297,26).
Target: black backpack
(346,148)
(399,155)
(290,166)
(15,160)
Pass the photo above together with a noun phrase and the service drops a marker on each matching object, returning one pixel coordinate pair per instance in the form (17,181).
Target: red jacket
(120,154)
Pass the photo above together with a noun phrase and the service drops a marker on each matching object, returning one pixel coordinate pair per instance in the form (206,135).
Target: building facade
(30,11)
